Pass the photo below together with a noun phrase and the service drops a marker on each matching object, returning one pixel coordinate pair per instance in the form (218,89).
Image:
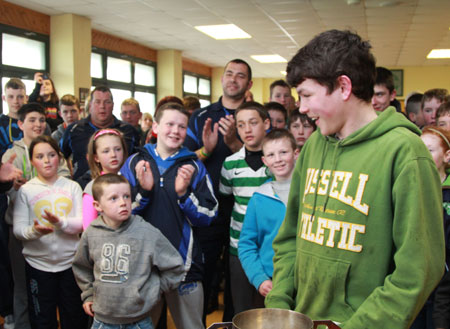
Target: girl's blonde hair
(94,166)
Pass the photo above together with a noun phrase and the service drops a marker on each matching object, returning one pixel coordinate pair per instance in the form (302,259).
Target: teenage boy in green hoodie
(362,242)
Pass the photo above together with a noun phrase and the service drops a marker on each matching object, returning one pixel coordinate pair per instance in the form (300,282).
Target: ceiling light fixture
(269,58)
(439,53)
(283,73)
(223,31)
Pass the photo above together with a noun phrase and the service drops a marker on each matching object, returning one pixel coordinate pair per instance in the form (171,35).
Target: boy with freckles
(362,242)
(173,192)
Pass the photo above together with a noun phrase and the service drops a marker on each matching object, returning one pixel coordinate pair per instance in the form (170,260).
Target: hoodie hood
(100,224)
(266,189)
(387,120)
(182,153)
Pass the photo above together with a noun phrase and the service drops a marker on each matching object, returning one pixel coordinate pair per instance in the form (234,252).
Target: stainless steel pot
(271,318)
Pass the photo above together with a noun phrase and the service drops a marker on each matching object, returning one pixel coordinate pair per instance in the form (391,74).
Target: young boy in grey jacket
(123,263)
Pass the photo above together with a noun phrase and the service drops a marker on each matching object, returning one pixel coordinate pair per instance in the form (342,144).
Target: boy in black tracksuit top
(173,192)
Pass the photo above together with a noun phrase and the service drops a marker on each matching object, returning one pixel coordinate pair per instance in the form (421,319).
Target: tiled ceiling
(401,32)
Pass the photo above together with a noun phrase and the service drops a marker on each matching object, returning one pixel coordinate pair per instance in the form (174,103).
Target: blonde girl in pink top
(107,152)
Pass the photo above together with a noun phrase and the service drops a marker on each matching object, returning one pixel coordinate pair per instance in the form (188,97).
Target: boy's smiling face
(251,128)
(279,157)
(323,107)
(171,130)
(33,125)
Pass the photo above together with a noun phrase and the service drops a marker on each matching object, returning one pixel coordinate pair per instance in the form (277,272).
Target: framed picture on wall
(84,94)
(398,81)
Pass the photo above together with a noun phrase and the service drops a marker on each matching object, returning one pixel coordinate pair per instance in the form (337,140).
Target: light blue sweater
(263,218)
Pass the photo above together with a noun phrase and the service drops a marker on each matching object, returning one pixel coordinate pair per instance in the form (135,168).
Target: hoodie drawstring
(333,167)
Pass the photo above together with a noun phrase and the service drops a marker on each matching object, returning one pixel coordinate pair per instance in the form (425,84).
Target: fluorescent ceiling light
(284,73)
(223,31)
(439,53)
(269,58)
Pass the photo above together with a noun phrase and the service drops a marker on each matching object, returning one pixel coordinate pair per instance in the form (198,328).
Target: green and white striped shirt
(241,181)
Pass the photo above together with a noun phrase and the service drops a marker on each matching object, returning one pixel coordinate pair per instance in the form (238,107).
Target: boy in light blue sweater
(266,210)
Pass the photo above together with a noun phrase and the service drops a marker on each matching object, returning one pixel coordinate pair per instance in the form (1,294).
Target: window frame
(123,85)
(198,95)
(21,72)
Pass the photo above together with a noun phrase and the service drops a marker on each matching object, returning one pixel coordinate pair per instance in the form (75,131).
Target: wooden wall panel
(196,67)
(123,46)
(24,18)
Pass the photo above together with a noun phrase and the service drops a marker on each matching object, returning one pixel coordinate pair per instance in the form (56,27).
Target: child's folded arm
(248,248)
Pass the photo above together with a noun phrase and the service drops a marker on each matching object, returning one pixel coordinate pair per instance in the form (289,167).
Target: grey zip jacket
(123,271)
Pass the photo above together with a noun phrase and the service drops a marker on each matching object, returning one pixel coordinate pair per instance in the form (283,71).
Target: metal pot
(270,318)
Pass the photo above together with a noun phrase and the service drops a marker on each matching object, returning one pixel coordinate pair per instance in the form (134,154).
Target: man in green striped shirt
(242,173)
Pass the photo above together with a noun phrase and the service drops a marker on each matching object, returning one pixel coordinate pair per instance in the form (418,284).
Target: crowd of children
(345,223)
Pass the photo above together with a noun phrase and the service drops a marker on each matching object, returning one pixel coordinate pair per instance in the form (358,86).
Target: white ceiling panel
(400,35)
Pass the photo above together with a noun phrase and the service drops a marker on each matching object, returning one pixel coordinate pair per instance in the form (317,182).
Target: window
(127,77)
(23,53)
(198,86)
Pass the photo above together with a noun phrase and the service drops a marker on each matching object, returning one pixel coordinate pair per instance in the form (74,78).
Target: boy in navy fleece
(174,193)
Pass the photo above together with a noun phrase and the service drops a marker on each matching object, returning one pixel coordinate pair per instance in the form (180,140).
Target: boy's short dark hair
(278,83)
(443,109)
(414,103)
(385,77)
(274,106)
(104,180)
(28,108)
(441,94)
(170,106)
(332,54)
(295,115)
(241,61)
(15,83)
(69,100)
(279,133)
(253,106)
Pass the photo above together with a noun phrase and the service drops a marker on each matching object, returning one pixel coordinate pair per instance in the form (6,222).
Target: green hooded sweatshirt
(362,242)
